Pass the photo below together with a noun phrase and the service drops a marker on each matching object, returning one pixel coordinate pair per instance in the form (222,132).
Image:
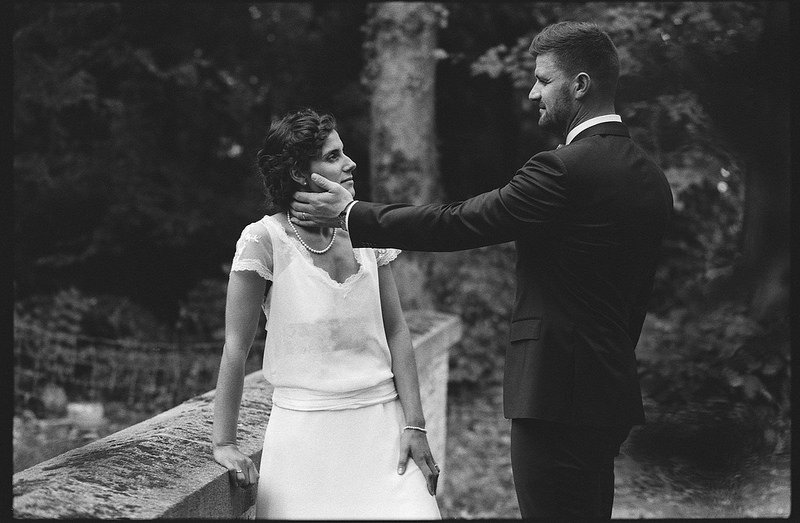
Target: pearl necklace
(315,251)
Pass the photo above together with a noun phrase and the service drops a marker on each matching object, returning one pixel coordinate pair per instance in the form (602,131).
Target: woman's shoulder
(261,229)
(385,256)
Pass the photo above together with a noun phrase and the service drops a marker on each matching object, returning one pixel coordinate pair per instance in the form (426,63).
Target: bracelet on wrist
(412,427)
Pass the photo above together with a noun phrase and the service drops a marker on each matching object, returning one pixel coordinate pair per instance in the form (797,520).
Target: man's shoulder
(565,160)
(547,161)
(598,150)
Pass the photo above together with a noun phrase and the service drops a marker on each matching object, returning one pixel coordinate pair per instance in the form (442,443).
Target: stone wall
(163,467)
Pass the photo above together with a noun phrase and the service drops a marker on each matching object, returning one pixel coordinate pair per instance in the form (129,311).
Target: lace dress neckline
(306,256)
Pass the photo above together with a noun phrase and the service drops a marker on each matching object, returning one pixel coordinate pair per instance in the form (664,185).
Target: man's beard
(552,122)
(556,116)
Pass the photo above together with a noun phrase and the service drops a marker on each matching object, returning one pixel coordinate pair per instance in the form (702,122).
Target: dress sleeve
(254,252)
(384,256)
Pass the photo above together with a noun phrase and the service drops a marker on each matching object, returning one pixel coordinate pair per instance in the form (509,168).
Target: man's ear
(581,85)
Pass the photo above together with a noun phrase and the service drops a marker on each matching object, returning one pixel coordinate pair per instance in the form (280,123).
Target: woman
(338,352)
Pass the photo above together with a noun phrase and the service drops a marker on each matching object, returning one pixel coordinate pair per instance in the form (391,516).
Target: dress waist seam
(306,399)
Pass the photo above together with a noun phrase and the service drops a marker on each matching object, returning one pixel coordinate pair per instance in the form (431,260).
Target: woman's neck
(323,232)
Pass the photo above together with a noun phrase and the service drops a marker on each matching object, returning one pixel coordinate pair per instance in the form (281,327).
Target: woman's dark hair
(292,142)
(581,46)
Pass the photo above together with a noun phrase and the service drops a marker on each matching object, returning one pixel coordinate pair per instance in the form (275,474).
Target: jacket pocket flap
(528,329)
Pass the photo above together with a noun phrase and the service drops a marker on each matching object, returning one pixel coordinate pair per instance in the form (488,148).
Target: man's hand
(321,209)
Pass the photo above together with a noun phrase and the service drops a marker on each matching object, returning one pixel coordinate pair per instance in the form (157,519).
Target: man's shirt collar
(590,122)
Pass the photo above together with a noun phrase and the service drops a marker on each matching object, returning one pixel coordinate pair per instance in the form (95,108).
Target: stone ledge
(163,468)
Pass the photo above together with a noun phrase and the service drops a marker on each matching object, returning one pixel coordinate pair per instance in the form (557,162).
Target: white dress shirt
(590,122)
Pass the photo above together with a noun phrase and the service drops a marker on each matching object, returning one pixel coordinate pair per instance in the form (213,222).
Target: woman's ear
(296,176)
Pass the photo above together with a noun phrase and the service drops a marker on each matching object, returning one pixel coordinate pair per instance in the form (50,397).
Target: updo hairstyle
(292,142)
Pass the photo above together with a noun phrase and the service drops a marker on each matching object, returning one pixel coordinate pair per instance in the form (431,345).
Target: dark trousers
(564,470)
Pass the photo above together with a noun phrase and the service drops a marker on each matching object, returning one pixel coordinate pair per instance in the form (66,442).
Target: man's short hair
(581,47)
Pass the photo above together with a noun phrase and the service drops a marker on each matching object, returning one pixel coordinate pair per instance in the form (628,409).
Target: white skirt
(339,464)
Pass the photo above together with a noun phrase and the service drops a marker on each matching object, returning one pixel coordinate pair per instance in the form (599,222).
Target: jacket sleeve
(533,199)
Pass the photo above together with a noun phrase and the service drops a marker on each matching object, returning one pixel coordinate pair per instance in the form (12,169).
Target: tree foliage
(135,127)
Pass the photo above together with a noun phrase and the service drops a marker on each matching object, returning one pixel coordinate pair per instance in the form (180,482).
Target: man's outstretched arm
(533,198)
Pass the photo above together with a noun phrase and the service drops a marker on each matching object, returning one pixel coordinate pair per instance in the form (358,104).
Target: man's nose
(351,165)
(533,94)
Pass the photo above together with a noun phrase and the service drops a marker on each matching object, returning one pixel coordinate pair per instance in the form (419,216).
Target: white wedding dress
(332,441)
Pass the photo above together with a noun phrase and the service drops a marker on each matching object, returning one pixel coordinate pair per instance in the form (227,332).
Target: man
(588,219)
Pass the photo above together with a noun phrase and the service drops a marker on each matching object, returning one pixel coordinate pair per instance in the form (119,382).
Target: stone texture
(163,467)
(431,353)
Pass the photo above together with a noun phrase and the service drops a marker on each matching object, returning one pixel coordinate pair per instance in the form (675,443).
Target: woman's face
(333,164)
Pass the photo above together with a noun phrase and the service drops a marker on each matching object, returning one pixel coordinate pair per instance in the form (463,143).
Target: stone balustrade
(163,467)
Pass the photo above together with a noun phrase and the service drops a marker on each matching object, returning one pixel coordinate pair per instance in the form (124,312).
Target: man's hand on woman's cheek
(320,209)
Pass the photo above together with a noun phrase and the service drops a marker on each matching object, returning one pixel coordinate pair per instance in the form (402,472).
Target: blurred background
(135,132)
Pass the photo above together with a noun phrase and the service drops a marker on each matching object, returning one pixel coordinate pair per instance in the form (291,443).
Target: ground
(478,482)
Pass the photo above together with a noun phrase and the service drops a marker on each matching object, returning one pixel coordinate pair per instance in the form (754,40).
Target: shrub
(478,285)
(721,357)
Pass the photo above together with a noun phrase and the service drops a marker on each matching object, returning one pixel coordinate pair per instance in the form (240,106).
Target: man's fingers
(322,181)
(301,218)
(300,214)
(303,196)
(296,207)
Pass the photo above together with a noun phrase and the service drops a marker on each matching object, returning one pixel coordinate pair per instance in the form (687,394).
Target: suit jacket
(588,220)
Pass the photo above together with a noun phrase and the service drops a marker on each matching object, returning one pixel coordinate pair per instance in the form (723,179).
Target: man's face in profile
(551,91)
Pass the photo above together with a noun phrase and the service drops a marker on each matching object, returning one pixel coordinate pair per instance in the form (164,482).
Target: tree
(400,71)
(762,134)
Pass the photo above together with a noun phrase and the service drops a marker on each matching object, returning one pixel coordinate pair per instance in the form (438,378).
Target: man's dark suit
(588,220)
